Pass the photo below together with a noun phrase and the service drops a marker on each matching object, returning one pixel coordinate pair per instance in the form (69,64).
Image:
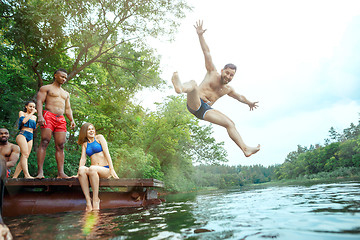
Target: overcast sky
(299,59)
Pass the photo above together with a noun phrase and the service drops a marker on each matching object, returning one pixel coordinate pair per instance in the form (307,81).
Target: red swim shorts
(55,123)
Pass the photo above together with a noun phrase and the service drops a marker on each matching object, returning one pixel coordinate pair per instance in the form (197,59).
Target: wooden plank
(122,182)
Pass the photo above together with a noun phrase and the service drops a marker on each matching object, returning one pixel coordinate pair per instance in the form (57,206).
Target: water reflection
(322,211)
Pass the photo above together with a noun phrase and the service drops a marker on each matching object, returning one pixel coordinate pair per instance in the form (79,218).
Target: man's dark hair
(60,70)
(231,66)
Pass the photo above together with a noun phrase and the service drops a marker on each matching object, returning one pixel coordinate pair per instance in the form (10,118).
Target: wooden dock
(52,195)
(110,182)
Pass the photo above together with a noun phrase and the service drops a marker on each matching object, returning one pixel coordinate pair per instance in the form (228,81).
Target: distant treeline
(339,157)
(341,151)
(225,176)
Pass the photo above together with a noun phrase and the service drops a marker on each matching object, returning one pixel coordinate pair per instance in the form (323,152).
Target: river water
(320,211)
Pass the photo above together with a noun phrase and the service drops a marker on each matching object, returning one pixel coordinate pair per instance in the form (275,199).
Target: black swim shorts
(200,113)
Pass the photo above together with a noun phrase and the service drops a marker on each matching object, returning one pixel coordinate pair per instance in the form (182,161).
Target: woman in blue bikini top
(27,124)
(94,146)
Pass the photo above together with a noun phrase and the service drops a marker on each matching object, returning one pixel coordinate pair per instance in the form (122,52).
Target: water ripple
(321,211)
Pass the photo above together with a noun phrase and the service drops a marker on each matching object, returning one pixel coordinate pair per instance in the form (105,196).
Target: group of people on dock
(52,123)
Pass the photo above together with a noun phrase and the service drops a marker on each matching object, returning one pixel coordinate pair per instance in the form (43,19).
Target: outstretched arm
(241,98)
(205,48)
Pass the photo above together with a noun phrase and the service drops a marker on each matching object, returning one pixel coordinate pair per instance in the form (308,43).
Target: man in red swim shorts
(56,123)
(52,120)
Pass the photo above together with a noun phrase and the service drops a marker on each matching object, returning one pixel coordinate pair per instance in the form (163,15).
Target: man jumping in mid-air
(214,86)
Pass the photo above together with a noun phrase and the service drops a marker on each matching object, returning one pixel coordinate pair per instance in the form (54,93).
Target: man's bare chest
(5,151)
(216,91)
(52,93)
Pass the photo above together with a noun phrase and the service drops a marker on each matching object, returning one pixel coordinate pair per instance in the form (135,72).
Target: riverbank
(305,181)
(322,177)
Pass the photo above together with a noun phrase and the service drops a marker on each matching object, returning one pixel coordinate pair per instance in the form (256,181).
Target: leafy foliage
(225,176)
(342,152)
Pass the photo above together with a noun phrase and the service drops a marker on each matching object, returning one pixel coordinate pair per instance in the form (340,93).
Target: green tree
(166,139)
(104,46)
(342,154)
(77,33)
(335,136)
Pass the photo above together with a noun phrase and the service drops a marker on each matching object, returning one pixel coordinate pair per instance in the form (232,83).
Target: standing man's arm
(40,99)
(242,99)
(14,156)
(205,48)
(68,112)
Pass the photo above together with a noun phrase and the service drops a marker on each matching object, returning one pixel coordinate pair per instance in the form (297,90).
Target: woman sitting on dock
(95,146)
(27,124)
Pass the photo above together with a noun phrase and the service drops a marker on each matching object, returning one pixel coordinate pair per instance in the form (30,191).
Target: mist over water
(321,211)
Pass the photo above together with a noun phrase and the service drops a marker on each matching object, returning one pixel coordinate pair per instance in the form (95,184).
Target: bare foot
(62,175)
(40,175)
(176,82)
(251,150)
(96,205)
(88,207)
(29,177)
(5,232)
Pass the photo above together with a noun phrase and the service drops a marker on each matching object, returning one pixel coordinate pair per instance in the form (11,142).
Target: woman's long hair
(83,133)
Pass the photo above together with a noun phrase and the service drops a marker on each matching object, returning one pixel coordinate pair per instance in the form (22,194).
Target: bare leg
(24,163)
(18,170)
(25,148)
(84,183)
(94,181)
(190,88)
(95,172)
(60,138)
(216,117)
(21,142)
(45,139)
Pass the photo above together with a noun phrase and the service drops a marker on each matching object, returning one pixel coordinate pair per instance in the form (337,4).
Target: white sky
(299,59)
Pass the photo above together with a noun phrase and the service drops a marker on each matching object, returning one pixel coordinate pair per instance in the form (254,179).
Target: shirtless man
(52,120)
(5,233)
(9,155)
(10,152)
(214,86)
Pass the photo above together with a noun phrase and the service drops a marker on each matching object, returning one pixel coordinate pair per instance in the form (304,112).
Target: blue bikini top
(30,123)
(93,147)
